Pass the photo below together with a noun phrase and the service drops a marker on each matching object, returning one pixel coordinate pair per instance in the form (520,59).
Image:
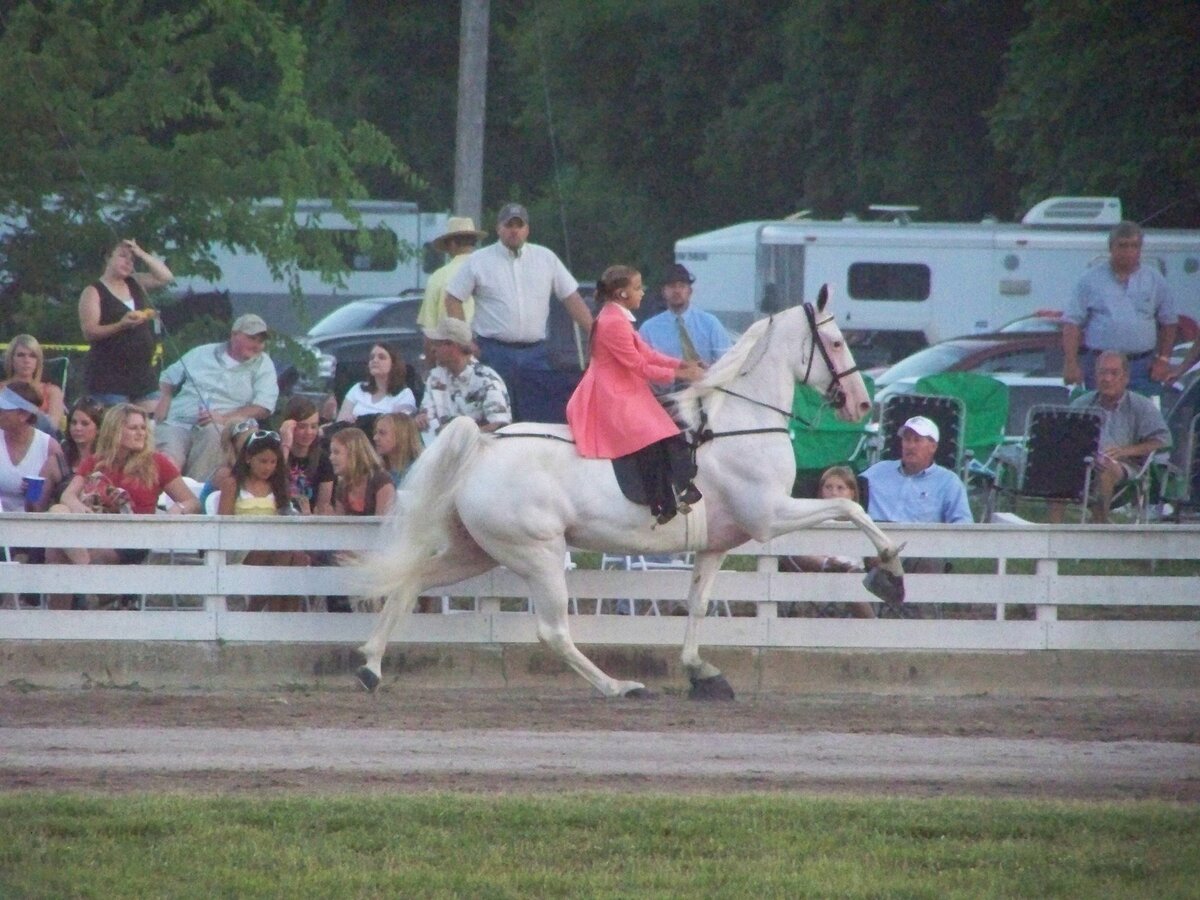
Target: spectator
(460,385)
(916,489)
(512,281)
(24,362)
(1122,306)
(398,442)
(362,488)
(309,470)
(1133,429)
(459,241)
(385,390)
(25,452)
(83,426)
(233,436)
(613,413)
(116,320)
(682,330)
(209,386)
(258,486)
(123,475)
(836,482)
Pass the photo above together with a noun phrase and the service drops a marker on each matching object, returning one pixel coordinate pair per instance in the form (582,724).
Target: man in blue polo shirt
(914,488)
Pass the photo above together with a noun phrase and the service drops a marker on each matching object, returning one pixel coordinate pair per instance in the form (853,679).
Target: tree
(1102,98)
(165,126)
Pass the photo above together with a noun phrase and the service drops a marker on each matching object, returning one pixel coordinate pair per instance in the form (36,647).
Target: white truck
(900,284)
(395,260)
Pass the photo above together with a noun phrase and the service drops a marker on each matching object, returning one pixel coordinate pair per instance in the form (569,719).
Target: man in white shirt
(512,281)
(210,386)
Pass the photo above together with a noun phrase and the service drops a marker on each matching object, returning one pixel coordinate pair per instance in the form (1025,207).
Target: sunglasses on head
(260,436)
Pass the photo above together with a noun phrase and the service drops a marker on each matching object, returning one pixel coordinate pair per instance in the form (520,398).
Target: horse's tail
(421,521)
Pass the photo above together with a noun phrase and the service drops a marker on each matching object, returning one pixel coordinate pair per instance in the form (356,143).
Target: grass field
(592,846)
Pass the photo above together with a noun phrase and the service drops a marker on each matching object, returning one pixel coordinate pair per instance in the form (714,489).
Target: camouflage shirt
(477,391)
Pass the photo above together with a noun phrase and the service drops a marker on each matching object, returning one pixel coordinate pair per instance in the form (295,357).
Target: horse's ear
(822,297)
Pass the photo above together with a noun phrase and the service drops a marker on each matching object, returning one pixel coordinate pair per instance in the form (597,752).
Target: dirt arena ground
(547,739)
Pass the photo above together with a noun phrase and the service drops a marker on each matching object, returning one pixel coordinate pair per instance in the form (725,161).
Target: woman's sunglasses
(244,426)
(260,436)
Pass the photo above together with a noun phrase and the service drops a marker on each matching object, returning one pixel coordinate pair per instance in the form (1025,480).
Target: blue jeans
(537,391)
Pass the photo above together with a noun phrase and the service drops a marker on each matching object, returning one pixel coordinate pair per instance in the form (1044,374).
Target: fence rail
(191,560)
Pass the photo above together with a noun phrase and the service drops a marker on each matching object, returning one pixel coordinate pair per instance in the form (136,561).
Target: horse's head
(828,365)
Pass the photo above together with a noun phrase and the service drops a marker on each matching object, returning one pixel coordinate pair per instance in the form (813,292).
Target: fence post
(766,609)
(215,606)
(1047,569)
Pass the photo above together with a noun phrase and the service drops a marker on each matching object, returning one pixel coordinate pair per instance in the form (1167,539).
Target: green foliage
(592,845)
(1102,98)
(164,126)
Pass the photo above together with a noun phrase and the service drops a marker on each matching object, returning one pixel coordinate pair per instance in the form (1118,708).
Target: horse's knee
(555,638)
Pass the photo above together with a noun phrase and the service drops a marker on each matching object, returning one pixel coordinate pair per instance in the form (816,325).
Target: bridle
(835,394)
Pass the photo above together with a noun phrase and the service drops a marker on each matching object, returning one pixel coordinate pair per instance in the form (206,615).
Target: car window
(402,314)
(938,358)
(351,317)
(1028,361)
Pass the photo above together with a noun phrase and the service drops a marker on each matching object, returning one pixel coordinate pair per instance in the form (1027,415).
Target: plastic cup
(33,487)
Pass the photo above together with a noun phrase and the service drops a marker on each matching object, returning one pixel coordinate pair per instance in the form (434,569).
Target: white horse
(520,497)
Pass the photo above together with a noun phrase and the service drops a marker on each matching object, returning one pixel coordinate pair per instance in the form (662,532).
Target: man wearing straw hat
(460,238)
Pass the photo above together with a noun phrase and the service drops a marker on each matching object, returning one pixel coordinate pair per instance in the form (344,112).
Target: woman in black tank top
(116,320)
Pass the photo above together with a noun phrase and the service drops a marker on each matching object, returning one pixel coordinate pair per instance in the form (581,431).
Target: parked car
(341,342)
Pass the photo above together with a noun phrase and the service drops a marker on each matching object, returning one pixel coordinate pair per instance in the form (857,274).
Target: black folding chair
(1061,444)
(946,413)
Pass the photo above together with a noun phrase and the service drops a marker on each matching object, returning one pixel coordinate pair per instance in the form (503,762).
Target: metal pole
(472,96)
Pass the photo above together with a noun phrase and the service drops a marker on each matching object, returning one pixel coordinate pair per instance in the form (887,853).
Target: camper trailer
(394,259)
(901,284)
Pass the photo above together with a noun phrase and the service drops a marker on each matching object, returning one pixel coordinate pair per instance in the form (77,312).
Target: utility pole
(472,96)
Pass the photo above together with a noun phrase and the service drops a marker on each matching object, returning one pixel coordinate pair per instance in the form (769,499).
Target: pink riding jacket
(613,411)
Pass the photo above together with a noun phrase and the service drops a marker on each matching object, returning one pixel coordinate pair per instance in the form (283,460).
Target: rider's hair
(614,279)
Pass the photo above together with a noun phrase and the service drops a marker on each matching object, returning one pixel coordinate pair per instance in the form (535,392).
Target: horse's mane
(687,401)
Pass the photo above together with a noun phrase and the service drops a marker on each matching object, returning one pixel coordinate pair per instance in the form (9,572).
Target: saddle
(660,476)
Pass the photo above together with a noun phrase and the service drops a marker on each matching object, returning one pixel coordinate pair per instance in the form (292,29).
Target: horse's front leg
(707,681)
(792,515)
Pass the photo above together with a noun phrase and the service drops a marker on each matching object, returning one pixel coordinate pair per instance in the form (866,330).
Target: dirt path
(502,740)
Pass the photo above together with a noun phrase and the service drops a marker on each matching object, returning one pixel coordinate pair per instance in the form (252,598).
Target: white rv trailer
(904,284)
(395,261)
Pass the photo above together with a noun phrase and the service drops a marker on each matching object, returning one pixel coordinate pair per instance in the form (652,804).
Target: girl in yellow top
(259,486)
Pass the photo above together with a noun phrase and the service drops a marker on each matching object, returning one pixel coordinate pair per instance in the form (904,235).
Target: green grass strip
(452,845)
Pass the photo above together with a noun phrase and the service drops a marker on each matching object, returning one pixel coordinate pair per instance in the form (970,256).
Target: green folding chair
(985,408)
(825,440)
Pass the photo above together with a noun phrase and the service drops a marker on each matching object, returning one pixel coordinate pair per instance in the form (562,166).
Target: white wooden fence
(177,570)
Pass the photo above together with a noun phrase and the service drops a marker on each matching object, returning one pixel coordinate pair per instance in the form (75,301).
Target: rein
(834,395)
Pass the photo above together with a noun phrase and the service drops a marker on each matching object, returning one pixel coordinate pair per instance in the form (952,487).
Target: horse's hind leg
(543,571)
(463,559)
(707,681)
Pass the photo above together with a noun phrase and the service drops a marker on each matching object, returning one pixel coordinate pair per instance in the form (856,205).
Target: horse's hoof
(368,679)
(883,584)
(714,688)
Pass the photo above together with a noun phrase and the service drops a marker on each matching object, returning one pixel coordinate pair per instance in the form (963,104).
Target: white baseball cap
(924,427)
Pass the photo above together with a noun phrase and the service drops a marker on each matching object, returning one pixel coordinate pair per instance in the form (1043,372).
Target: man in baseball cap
(915,488)
(459,384)
(210,386)
(512,282)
